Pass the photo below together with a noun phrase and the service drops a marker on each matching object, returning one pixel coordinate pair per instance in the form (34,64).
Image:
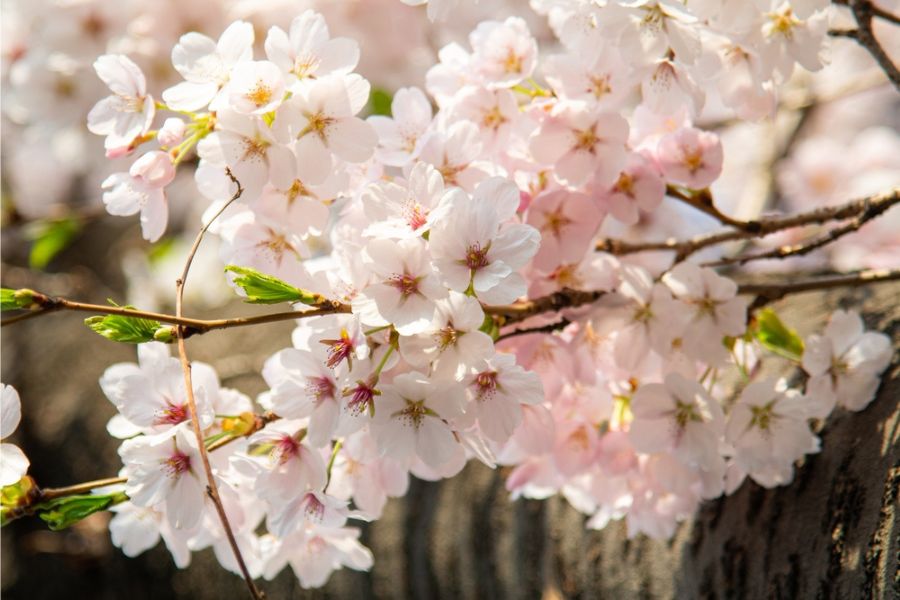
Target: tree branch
(549,328)
(770,292)
(766,226)
(702,200)
(565,298)
(48,304)
(863,12)
(212,489)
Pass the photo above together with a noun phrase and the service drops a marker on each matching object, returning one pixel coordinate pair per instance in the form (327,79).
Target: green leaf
(380,102)
(18,493)
(49,238)
(490,327)
(130,330)
(774,335)
(16,299)
(63,512)
(265,289)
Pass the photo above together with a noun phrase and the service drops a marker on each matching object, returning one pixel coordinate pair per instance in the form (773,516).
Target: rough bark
(832,533)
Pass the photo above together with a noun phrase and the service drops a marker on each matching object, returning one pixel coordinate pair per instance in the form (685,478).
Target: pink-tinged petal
(498,417)
(844,329)
(340,55)
(872,352)
(500,193)
(537,431)
(154,216)
(352,139)
(10,411)
(551,142)
(103,116)
(651,435)
(281,166)
(13,464)
(508,290)
(575,167)
(323,423)
(817,355)
(435,443)
(121,75)
(652,401)
(515,245)
(185,502)
(189,96)
(236,43)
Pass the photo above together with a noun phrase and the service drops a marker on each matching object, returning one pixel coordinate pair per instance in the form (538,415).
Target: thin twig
(684,248)
(549,328)
(565,298)
(807,246)
(702,200)
(49,304)
(78,488)
(212,489)
(863,12)
(770,292)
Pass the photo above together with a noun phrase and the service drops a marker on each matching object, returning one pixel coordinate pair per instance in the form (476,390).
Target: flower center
(413,414)
(260,95)
(493,118)
(315,510)
(317,124)
(762,416)
(415,216)
(512,62)
(446,337)
(599,86)
(284,449)
(320,388)
(254,150)
(485,385)
(625,185)
(586,140)
(406,284)
(476,256)
(339,349)
(178,464)
(362,398)
(172,414)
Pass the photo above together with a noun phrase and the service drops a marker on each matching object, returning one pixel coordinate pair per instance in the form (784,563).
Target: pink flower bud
(171,133)
(154,169)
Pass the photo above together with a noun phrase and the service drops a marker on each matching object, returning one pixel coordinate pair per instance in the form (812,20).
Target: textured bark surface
(832,533)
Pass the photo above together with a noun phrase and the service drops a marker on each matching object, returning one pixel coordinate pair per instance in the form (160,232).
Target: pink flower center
(476,256)
(172,414)
(415,216)
(339,349)
(178,464)
(320,388)
(485,385)
(315,510)
(406,284)
(413,414)
(284,449)
(362,398)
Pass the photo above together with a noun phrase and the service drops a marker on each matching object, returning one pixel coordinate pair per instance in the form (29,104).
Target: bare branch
(770,292)
(549,328)
(864,11)
(767,226)
(702,200)
(212,489)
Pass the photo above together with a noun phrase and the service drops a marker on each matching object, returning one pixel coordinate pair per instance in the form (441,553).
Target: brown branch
(702,200)
(47,304)
(78,488)
(863,12)
(767,226)
(212,489)
(807,246)
(770,292)
(549,328)
(565,298)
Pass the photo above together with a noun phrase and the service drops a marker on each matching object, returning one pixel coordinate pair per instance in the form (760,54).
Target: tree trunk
(832,533)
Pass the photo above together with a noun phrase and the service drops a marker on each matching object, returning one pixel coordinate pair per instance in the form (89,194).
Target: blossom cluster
(430,225)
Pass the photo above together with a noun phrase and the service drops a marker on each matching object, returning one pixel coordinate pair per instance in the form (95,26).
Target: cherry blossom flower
(399,210)
(13,462)
(406,289)
(496,391)
(567,223)
(768,430)
(579,140)
(400,136)
(690,157)
(504,53)
(126,114)
(409,419)
(165,472)
(206,66)
(453,342)
(454,154)
(716,310)
(638,188)
(315,552)
(471,247)
(678,416)
(142,190)
(308,51)
(845,362)
(150,395)
(255,87)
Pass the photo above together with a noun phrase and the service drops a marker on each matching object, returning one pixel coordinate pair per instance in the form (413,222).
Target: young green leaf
(15,299)
(130,330)
(380,102)
(63,512)
(266,289)
(49,238)
(774,335)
